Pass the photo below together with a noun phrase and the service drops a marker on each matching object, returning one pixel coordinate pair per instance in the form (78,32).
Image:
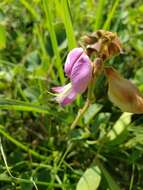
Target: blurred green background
(38,149)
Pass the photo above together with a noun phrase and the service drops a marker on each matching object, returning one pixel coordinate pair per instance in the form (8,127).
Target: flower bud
(123,93)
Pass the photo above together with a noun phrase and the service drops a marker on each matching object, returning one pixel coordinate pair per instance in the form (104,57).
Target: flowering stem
(105,45)
(96,70)
(86,105)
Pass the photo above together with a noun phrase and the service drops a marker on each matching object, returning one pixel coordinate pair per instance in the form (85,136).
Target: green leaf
(10,104)
(90,179)
(119,127)
(91,112)
(2,36)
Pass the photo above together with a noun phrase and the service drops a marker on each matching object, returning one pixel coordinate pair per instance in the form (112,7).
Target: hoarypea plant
(84,65)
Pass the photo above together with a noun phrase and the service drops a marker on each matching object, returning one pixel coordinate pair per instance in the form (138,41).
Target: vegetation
(38,148)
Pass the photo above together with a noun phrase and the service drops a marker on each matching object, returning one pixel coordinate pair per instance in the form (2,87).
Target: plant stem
(86,105)
(21,180)
(80,113)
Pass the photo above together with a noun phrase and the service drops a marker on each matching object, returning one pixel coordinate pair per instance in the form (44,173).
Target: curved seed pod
(123,93)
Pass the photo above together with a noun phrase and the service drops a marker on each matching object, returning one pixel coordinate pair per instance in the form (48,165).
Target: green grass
(47,6)
(38,149)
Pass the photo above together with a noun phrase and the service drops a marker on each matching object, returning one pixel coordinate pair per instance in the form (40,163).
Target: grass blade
(68,24)
(47,5)
(30,9)
(107,23)
(99,14)
(45,58)
(11,178)
(10,104)
(20,145)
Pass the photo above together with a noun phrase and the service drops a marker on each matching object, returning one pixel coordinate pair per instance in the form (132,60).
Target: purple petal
(65,95)
(72,57)
(81,74)
(58,89)
(69,98)
(62,89)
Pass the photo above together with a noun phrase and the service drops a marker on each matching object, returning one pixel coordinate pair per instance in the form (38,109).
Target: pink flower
(79,70)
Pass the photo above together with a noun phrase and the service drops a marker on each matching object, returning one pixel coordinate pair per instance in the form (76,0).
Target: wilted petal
(81,74)
(95,47)
(123,93)
(72,57)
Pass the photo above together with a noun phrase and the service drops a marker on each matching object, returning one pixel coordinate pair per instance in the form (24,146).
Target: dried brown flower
(104,43)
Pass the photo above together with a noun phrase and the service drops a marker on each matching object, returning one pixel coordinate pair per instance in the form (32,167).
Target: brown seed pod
(123,93)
